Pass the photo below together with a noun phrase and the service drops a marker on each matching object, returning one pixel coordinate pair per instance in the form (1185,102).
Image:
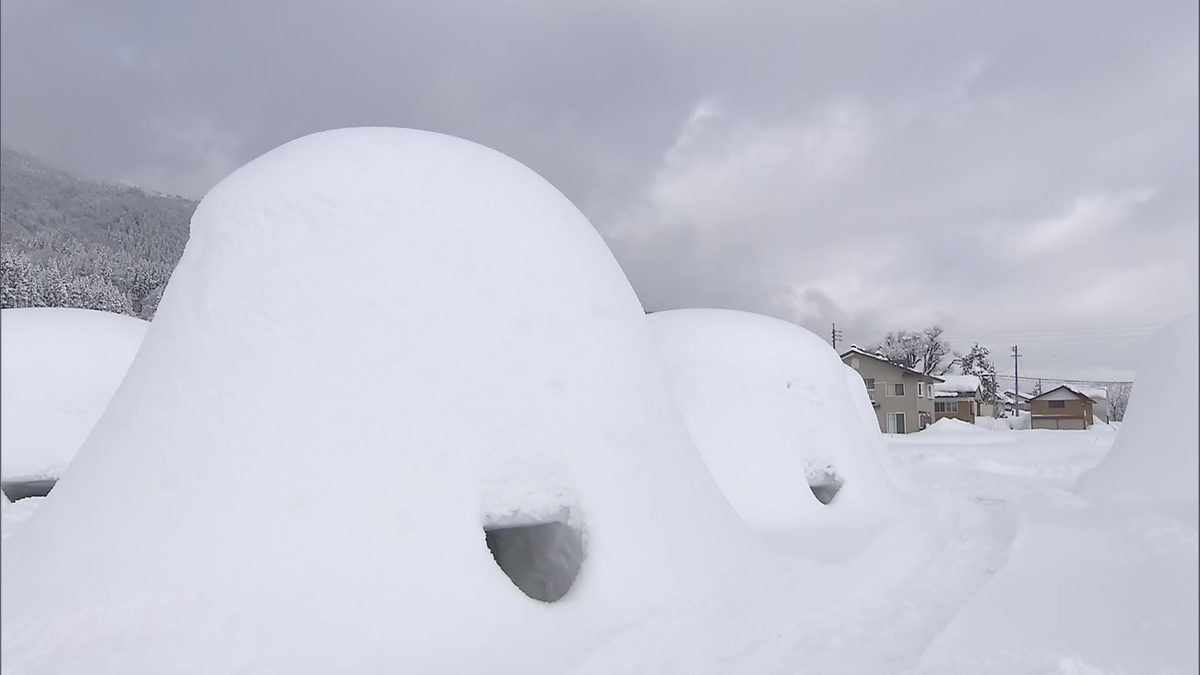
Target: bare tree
(924,351)
(1118,399)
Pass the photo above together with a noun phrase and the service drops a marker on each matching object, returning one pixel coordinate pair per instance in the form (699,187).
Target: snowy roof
(952,385)
(500,376)
(1094,393)
(1008,393)
(854,349)
(1070,388)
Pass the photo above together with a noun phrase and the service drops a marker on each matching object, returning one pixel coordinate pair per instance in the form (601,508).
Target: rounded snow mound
(950,425)
(1155,454)
(438,337)
(770,408)
(61,367)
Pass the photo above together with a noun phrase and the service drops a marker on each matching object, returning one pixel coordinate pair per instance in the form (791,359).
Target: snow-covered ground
(1003,570)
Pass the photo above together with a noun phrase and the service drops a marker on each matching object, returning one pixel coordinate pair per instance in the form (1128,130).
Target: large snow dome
(61,367)
(1155,455)
(770,408)
(379,344)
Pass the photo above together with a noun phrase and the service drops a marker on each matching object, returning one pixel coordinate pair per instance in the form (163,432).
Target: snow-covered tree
(1118,399)
(978,362)
(74,243)
(16,279)
(924,350)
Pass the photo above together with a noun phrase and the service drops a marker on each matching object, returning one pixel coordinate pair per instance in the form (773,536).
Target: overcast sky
(1020,172)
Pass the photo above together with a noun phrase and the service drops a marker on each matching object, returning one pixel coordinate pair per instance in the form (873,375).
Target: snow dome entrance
(542,559)
(824,484)
(15,490)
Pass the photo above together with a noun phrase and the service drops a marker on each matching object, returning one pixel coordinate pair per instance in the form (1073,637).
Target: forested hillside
(67,242)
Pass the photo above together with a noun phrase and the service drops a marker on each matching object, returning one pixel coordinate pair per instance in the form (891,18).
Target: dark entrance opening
(824,484)
(542,559)
(30,488)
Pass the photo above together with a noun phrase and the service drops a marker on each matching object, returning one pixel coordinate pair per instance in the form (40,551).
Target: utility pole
(1016,377)
(835,334)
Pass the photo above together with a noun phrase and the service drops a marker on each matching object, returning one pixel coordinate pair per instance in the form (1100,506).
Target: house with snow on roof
(1016,401)
(902,397)
(959,397)
(1063,407)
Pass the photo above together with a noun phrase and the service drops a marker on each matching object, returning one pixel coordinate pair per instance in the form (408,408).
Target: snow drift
(769,406)
(1154,456)
(950,425)
(437,336)
(61,367)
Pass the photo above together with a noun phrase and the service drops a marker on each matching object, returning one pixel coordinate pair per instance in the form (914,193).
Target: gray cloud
(1012,170)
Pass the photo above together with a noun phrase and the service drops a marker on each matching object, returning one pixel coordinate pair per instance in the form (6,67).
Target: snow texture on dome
(870,421)
(61,367)
(1154,457)
(770,408)
(437,338)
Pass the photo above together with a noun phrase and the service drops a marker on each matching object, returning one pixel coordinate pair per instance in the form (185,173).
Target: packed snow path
(875,613)
(886,607)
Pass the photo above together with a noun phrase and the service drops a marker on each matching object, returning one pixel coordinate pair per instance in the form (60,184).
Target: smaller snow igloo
(769,407)
(1155,454)
(436,336)
(61,367)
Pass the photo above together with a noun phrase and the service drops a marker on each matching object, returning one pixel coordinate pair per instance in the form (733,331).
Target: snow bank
(1154,456)
(434,333)
(13,515)
(993,423)
(1010,423)
(949,425)
(956,384)
(61,367)
(768,405)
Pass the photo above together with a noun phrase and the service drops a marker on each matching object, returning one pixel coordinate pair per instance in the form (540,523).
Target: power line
(1096,332)
(1065,379)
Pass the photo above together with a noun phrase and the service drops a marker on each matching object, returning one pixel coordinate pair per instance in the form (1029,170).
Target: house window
(1058,404)
(854,363)
(895,389)
(945,406)
(895,423)
(920,390)
(870,382)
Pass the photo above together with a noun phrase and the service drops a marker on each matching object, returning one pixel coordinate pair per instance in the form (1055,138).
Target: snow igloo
(61,367)
(771,409)
(1156,454)
(399,410)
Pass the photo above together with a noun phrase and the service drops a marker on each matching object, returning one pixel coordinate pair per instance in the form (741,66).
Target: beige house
(1061,408)
(902,397)
(959,397)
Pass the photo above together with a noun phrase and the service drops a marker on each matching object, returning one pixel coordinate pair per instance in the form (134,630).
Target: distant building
(1017,401)
(1063,407)
(902,397)
(959,397)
